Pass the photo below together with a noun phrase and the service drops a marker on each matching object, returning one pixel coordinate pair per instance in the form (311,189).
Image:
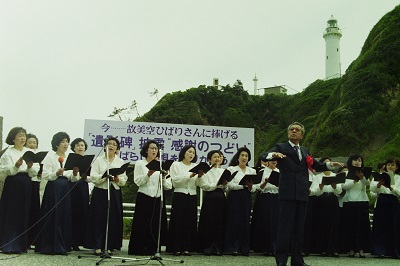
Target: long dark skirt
(329,221)
(357,230)
(34,213)
(55,231)
(144,233)
(312,227)
(14,213)
(237,229)
(96,230)
(183,223)
(386,227)
(80,208)
(264,223)
(211,222)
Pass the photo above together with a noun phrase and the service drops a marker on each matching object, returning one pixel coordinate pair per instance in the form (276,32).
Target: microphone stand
(105,254)
(157,255)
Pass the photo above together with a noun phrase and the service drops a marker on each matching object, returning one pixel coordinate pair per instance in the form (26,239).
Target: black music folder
(386,178)
(226,175)
(155,165)
(83,162)
(250,178)
(365,170)
(3,151)
(339,178)
(117,171)
(274,178)
(201,166)
(30,156)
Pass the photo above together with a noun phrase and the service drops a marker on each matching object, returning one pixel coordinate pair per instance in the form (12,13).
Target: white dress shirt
(100,166)
(269,188)
(355,191)
(209,181)
(234,183)
(10,157)
(149,185)
(181,180)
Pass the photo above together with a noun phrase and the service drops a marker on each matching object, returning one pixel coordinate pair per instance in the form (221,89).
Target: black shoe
(362,256)
(335,255)
(234,253)
(177,253)
(76,248)
(98,253)
(186,253)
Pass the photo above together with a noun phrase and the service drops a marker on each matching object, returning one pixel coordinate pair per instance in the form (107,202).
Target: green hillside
(358,113)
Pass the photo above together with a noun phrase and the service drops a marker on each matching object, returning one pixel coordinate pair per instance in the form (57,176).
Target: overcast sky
(62,62)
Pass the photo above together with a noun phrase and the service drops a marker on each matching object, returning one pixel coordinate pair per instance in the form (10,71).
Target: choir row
(337,214)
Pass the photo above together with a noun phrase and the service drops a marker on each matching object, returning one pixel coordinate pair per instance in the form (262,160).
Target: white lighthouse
(332,37)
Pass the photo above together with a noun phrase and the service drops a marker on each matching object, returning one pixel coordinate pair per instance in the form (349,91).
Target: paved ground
(32,259)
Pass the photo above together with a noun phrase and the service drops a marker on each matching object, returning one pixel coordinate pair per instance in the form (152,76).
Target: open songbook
(255,179)
(274,178)
(226,175)
(387,178)
(365,170)
(117,171)
(83,162)
(30,156)
(205,167)
(339,178)
(155,165)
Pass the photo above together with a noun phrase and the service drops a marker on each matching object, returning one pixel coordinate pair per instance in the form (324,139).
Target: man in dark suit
(293,193)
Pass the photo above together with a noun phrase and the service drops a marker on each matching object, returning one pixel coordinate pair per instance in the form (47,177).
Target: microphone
(61,160)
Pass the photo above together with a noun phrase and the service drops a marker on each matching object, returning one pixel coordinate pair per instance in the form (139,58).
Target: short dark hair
(57,138)
(211,153)
(235,158)
(32,136)
(352,158)
(76,141)
(181,155)
(115,139)
(393,160)
(324,158)
(13,133)
(146,146)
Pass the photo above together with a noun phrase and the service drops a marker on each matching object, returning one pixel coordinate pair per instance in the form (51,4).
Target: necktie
(297,148)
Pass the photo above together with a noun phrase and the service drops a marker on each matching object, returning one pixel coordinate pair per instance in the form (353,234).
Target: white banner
(132,136)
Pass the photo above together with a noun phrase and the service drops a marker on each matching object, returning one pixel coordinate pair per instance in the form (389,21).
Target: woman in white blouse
(237,233)
(183,221)
(96,233)
(144,233)
(211,222)
(357,231)
(264,220)
(328,218)
(15,200)
(56,230)
(386,224)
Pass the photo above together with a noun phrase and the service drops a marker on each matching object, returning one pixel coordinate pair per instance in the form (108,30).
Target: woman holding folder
(264,221)
(56,224)
(237,228)
(183,221)
(211,223)
(386,224)
(357,230)
(15,203)
(328,219)
(96,233)
(79,198)
(144,233)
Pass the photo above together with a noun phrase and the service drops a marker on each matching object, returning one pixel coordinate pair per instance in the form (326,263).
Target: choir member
(357,231)
(237,230)
(32,142)
(264,220)
(97,217)
(385,226)
(56,225)
(183,220)
(15,203)
(211,222)
(328,213)
(79,198)
(144,233)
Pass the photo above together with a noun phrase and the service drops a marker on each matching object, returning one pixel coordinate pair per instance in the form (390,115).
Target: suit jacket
(293,181)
